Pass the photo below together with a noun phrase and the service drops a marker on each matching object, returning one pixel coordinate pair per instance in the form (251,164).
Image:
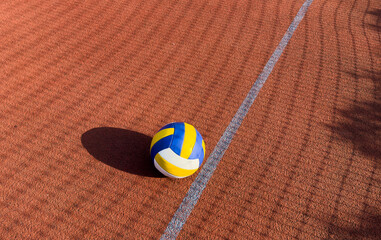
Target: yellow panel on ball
(177,150)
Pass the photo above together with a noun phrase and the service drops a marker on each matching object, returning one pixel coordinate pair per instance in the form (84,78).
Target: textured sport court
(84,85)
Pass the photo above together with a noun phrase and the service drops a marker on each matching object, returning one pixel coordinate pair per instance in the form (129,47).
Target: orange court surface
(85,84)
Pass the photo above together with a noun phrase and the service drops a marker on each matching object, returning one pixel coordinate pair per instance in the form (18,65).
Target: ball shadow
(122,149)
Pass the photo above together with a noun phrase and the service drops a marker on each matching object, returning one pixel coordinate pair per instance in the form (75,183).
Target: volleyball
(177,150)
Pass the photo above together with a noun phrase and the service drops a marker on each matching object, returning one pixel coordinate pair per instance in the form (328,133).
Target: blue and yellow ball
(177,150)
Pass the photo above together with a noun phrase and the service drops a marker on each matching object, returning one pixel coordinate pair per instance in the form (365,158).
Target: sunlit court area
(190,119)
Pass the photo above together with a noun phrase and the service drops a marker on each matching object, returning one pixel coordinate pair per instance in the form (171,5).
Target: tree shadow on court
(368,227)
(360,123)
(375,19)
(122,149)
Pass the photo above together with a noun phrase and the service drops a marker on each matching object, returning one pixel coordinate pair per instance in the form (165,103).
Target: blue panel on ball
(178,138)
(198,151)
(202,156)
(160,145)
(170,125)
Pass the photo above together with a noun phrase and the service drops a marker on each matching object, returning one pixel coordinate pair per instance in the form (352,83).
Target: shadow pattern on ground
(369,228)
(122,149)
(376,25)
(360,124)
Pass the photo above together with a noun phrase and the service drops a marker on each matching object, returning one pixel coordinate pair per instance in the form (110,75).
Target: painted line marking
(181,215)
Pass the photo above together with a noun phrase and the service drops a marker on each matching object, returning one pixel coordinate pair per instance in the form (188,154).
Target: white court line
(181,215)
